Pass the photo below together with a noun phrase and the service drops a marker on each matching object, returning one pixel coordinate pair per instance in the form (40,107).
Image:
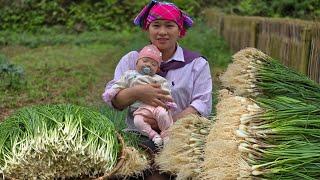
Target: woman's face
(164,34)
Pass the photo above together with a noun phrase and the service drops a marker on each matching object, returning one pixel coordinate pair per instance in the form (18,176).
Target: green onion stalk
(253,73)
(279,134)
(57,141)
(281,140)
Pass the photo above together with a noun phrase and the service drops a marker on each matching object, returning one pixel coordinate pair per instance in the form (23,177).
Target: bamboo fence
(214,19)
(314,60)
(296,43)
(240,32)
(286,40)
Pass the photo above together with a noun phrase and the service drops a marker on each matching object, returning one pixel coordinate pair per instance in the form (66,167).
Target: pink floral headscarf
(166,11)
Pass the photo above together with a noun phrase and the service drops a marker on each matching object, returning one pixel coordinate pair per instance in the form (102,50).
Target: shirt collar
(178,55)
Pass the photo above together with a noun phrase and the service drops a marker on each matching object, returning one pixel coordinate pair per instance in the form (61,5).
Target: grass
(74,68)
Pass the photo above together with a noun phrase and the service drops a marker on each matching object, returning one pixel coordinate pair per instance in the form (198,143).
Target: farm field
(74,68)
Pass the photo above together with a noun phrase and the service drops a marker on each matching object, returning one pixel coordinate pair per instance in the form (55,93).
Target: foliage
(302,9)
(117,118)
(93,15)
(11,76)
(77,15)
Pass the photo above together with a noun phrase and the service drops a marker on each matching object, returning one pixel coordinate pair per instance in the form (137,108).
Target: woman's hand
(152,94)
(185,112)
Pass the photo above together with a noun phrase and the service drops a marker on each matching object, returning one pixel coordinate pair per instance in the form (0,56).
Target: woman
(187,72)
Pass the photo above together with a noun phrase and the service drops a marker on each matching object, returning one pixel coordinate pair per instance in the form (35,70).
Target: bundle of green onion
(184,152)
(280,139)
(57,141)
(278,135)
(253,73)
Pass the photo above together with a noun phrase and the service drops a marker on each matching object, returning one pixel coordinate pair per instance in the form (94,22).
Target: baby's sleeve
(126,63)
(117,86)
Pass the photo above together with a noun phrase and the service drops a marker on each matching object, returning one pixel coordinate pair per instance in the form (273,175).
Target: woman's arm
(185,112)
(202,88)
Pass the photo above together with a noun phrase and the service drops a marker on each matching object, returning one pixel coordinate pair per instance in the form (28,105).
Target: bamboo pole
(314,59)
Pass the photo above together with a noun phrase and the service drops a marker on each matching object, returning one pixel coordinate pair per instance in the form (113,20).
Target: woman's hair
(156,10)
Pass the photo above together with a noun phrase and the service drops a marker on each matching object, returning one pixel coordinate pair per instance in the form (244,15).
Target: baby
(148,64)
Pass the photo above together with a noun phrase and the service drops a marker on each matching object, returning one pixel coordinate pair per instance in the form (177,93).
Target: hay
(183,153)
(134,164)
(222,159)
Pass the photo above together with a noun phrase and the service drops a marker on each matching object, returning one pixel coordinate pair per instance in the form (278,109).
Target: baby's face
(145,63)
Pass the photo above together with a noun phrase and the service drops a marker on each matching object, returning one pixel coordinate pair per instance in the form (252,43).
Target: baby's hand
(171,105)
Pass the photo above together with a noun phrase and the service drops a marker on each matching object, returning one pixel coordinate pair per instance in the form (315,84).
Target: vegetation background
(84,15)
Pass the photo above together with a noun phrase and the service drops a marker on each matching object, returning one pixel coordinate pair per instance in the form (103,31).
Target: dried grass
(222,159)
(181,155)
(134,164)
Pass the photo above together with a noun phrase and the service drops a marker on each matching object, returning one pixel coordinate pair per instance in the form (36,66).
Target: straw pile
(183,154)
(135,162)
(222,158)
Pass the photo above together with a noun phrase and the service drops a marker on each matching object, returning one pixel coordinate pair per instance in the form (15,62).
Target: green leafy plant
(11,76)
(50,141)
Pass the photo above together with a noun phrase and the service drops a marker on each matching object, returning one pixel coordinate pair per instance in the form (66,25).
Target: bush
(11,76)
(77,15)
(302,9)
